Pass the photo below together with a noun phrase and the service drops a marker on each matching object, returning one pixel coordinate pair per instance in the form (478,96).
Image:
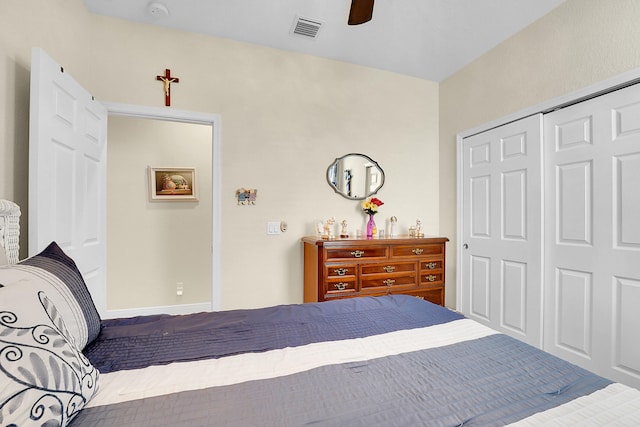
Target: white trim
(599,88)
(146,112)
(212,120)
(459,200)
(166,309)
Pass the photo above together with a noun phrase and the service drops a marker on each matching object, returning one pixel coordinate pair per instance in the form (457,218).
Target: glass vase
(371,227)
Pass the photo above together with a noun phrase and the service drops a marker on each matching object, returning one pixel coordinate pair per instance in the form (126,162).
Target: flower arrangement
(370,206)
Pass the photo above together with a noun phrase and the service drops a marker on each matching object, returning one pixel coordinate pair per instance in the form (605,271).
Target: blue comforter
(493,380)
(138,342)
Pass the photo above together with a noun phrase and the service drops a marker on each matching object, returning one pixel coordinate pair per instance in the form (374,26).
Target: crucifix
(167,79)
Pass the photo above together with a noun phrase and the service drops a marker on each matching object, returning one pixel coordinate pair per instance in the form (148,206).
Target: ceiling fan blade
(361,12)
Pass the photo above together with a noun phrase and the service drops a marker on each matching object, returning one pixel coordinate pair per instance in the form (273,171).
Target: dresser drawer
(389,269)
(370,252)
(341,286)
(341,270)
(416,250)
(429,278)
(371,282)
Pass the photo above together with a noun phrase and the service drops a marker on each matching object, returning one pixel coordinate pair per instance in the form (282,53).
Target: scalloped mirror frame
(355,176)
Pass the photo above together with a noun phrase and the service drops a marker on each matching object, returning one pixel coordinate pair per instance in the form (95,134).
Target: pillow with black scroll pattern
(44,378)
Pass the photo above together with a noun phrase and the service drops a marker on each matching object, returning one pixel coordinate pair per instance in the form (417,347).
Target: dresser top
(363,241)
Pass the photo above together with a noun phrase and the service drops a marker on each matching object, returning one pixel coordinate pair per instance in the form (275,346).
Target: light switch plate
(273,227)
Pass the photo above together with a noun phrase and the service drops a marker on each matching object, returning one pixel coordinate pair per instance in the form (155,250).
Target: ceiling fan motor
(361,12)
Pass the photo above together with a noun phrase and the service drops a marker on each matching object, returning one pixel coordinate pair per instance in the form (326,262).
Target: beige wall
(580,43)
(285,117)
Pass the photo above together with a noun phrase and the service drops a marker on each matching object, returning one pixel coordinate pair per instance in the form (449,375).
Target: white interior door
(67,157)
(501,225)
(592,254)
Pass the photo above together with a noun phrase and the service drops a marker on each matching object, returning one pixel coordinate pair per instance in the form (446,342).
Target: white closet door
(502,214)
(592,254)
(67,174)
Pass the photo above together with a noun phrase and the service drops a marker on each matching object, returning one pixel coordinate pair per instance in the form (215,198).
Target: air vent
(305,27)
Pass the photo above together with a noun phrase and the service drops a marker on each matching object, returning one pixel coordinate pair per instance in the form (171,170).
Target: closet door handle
(465,246)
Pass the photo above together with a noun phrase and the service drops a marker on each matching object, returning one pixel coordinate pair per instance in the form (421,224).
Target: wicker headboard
(10,229)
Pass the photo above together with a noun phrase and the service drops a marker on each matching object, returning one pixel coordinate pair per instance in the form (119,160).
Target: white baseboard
(167,309)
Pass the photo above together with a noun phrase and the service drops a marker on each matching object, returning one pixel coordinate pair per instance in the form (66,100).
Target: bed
(374,361)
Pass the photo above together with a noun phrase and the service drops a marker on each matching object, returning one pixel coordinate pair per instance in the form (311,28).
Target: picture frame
(177,184)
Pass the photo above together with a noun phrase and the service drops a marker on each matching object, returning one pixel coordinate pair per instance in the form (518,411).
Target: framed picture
(173,184)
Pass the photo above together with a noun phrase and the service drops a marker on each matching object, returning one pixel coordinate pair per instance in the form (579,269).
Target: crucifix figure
(167,79)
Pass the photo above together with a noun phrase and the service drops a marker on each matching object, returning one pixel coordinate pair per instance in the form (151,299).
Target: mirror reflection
(355,176)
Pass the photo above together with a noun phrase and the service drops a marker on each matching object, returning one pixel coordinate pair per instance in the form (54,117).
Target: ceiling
(428,39)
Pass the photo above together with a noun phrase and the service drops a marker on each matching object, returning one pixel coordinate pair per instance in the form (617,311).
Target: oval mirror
(355,176)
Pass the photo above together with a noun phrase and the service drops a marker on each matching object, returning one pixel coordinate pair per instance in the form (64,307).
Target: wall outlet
(179,289)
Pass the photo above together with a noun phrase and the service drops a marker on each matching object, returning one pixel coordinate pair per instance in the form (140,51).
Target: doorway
(174,248)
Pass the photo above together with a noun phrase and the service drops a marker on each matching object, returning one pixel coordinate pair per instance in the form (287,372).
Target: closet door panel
(514,288)
(480,297)
(592,234)
(574,296)
(514,213)
(574,188)
(626,238)
(626,349)
(481,206)
(501,265)
(627,201)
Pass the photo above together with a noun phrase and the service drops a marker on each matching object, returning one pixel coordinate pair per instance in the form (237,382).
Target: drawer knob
(431,278)
(431,265)
(418,251)
(389,282)
(357,254)
(340,286)
(341,271)
(389,268)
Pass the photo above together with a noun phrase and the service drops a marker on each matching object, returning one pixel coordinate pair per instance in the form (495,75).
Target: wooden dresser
(343,268)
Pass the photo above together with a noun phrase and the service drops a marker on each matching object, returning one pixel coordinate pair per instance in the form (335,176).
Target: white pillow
(44,378)
(55,273)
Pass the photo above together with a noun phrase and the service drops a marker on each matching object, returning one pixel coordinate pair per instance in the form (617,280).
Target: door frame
(213,120)
(600,88)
